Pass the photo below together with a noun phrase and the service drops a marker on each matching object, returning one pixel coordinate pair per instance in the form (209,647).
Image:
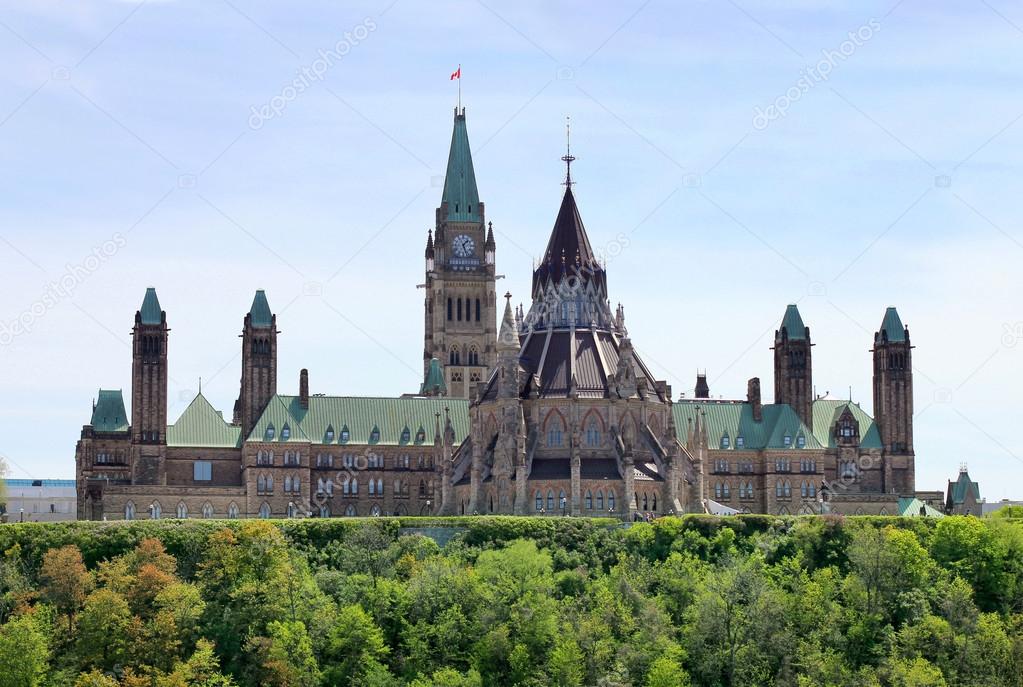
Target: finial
(507,296)
(200,385)
(568,158)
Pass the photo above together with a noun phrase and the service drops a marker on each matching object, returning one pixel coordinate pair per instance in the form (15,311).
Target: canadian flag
(457,74)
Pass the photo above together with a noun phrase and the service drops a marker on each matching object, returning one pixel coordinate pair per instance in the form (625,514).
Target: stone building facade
(551,410)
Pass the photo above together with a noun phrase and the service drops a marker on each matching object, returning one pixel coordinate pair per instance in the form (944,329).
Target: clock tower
(460,304)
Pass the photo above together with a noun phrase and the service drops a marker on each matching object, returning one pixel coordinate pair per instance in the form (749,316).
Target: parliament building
(546,410)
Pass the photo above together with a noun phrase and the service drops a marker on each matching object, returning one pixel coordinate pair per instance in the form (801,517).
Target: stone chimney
(702,390)
(753,398)
(303,389)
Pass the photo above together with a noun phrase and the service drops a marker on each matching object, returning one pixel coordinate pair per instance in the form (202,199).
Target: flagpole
(459,87)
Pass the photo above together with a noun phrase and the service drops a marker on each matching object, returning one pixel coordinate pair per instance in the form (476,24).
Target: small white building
(39,500)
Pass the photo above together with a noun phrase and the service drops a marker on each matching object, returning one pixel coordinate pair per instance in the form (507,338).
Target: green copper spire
(151,311)
(792,323)
(433,385)
(892,325)
(260,310)
(460,191)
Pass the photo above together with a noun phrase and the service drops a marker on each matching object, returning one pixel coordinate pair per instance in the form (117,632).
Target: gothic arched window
(477,309)
(207,510)
(539,502)
(550,500)
(182,510)
(453,357)
(610,500)
(600,499)
(232,510)
(350,510)
(589,500)
(129,511)
(264,510)
(450,305)
(459,309)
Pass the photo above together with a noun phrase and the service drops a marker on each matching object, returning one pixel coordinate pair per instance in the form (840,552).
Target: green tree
(355,645)
(289,656)
(23,652)
(106,630)
(565,665)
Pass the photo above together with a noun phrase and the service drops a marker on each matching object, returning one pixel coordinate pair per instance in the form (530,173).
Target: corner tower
(460,305)
(149,391)
(793,371)
(893,384)
(259,363)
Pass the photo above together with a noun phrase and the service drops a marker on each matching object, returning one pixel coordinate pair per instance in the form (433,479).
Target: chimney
(702,390)
(753,398)
(303,389)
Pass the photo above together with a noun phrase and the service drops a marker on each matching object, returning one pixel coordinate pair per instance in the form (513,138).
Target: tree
(23,652)
(66,582)
(289,656)
(354,646)
(106,630)
(667,672)
(565,665)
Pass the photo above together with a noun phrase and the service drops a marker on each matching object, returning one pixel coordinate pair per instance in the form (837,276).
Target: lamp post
(563,503)
(22,515)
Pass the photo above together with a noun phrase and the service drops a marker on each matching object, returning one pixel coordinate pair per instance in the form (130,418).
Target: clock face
(463,245)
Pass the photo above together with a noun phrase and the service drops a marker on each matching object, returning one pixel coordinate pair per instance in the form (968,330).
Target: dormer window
(406,436)
(800,441)
(787,441)
(345,435)
(270,432)
(724,441)
(285,433)
(420,436)
(374,436)
(740,442)
(328,437)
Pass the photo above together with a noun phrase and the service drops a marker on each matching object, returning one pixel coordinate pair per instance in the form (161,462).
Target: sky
(733,157)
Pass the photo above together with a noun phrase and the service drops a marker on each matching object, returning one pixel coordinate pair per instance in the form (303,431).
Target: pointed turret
(793,369)
(792,325)
(568,252)
(150,312)
(892,328)
(259,363)
(460,192)
(508,338)
(429,244)
(893,386)
(149,391)
(433,383)
(259,314)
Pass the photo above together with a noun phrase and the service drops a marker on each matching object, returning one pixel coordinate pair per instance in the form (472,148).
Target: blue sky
(129,157)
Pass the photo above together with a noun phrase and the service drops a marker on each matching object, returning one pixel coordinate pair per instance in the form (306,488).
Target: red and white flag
(457,74)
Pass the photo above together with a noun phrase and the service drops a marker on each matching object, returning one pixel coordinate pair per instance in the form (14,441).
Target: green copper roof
(792,323)
(826,413)
(202,425)
(108,414)
(892,325)
(151,311)
(260,310)
(960,487)
(735,419)
(910,507)
(390,416)
(434,382)
(460,182)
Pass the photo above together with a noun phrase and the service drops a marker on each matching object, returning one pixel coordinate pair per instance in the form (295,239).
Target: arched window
(717,490)
(372,488)
(474,356)
(345,434)
(155,511)
(562,501)
(550,500)
(350,510)
(724,441)
(375,510)
(453,356)
(264,510)
(380,486)
(449,314)
(182,510)
(287,484)
(324,510)
(374,436)
(788,489)
(610,500)
(406,436)
(285,432)
(555,431)
(269,432)
(477,309)
(232,510)
(645,505)
(207,510)
(589,500)
(593,433)
(328,436)
(459,309)
(539,502)
(355,485)
(129,511)
(653,505)
(600,499)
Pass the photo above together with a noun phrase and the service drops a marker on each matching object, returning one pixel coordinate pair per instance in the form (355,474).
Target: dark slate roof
(260,311)
(108,414)
(598,468)
(550,468)
(891,327)
(568,250)
(150,312)
(460,191)
(792,324)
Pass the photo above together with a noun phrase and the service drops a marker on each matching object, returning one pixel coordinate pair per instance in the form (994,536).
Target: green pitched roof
(151,311)
(460,191)
(260,311)
(202,425)
(108,413)
(826,413)
(792,323)
(892,325)
(735,419)
(960,487)
(910,507)
(434,381)
(391,416)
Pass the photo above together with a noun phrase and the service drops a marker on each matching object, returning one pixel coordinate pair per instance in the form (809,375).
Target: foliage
(697,600)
